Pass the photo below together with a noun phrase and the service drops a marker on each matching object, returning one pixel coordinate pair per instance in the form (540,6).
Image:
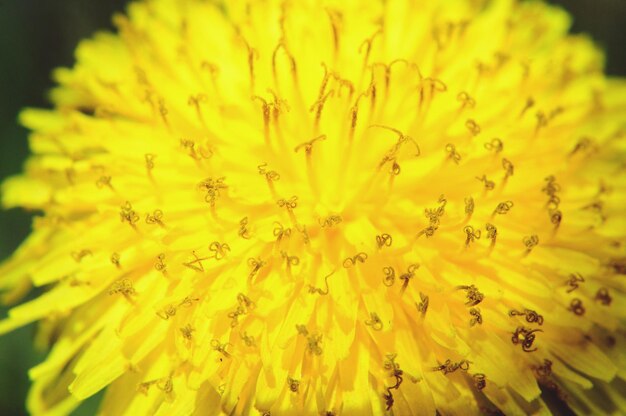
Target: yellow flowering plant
(327,207)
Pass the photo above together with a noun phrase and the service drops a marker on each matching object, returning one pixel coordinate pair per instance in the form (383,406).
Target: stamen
(319,291)
(530,315)
(452,153)
(283,46)
(374,322)
(390,276)
(78,256)
(244,232)
(480,381)
(352,261)
(530,242)
(469,206)
(308,146)
(473,127)
(489,185)
(270,175)
(525,337)
(384,240)
(465,100)
(503,207)
(219,250)
(477,317)
(471,235)
(573,281)
(603,296)
(367,43)
(160,263)
(495,144)
(115,259)
(155,218)
(422,307)
(576,306)
(330,221)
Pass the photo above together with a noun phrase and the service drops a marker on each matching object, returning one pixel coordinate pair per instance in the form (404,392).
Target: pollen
(337,208)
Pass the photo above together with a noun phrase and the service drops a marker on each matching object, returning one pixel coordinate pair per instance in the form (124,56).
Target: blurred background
(37,36)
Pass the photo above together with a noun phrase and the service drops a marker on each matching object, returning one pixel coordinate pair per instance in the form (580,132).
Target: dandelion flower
(338,207)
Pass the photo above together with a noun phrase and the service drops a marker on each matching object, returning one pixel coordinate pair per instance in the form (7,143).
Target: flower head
(344,207)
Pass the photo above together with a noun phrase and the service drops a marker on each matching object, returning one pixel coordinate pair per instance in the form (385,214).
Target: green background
(39,35)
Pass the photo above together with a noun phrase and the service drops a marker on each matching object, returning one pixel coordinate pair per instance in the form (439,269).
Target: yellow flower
(337,207)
